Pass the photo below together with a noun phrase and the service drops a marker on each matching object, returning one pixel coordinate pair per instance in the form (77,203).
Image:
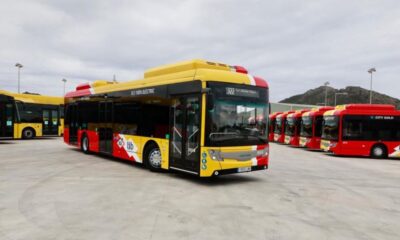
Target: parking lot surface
(49,190)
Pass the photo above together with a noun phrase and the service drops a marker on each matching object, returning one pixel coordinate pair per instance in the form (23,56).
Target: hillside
(354,95)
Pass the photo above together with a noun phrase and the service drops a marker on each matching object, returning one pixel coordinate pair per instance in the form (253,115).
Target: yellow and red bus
(280,123)
(198,117)
(311,128)
(30,115)
(271,124)
(362,130)
(292,127)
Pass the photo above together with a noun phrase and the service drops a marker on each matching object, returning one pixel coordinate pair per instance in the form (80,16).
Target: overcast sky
(295,45)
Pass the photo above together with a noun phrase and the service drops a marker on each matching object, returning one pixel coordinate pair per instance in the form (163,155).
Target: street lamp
(326,93)
(65,81)
(344,93)
(19,66)
(370,71)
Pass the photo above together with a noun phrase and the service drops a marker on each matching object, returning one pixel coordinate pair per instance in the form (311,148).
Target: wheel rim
(155,158)
(28,134)
(378,151)
(85,144)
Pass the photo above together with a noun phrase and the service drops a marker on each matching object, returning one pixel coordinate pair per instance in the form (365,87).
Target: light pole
(326,84)
(65,81)
(19,66)
(344,93)
(371,70)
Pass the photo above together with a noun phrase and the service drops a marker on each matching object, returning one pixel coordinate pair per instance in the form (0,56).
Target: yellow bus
(28,116)
(197,117)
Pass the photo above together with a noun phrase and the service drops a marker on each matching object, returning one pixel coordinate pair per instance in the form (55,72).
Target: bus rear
(362,130)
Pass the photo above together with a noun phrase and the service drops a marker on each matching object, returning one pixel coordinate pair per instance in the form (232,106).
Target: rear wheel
(379,151)
(28,133)
(85,144)
(153,157)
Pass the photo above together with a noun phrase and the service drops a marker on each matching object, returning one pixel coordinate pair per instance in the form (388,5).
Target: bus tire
(152,157)
(28,133)
(379,151)
(85,144)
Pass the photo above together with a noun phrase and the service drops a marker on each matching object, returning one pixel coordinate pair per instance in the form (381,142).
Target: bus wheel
(378,151)
(153,157)
(85,144)
(28,133)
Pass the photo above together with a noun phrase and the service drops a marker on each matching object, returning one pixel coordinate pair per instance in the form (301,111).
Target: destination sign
(330,118)
(140,92)
(241,92)
(382,117)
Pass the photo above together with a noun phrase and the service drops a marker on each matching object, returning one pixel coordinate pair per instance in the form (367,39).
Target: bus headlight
(263,152)
(215,155)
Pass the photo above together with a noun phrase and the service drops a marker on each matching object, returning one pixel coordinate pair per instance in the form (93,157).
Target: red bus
(311,128)
(279,132)
(362,130)
(271,125)
(292,127)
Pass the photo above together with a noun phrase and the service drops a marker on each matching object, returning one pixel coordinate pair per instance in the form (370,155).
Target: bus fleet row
(349,130)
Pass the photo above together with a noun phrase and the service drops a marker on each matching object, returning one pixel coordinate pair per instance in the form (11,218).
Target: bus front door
(185,142)
(105,130)
(6,119)
(50,122)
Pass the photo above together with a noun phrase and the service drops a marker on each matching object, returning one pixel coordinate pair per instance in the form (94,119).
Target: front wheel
(378,151)
(153,158)
(85,144)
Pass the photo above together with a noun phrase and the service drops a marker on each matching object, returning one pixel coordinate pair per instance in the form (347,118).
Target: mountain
(316,96)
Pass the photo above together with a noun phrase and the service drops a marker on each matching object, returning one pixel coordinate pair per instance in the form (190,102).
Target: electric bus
(362,130)
(271,125)
(197,117)
(292,127)
(30,115)
(311,128)
(279,131)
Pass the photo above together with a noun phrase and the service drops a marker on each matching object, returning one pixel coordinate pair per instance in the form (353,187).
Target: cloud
(294,45)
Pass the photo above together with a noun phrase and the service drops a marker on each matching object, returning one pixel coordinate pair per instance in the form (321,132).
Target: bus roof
(364,109)
(175,73)
(32,98)
(284,114)
(317,111)
(273,115)
(298,113)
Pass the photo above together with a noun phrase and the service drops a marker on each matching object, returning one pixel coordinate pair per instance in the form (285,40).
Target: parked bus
(29,115)
(197,117)
(271,125)
(362,130)
(279,132)
(311,128)
(292,127)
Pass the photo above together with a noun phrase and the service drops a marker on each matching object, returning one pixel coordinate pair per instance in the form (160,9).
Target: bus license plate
(244,169)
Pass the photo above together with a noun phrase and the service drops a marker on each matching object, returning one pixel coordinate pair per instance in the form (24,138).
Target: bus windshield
(330,128)
(236,123)
(278,126)
(290,126)
(306,127)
